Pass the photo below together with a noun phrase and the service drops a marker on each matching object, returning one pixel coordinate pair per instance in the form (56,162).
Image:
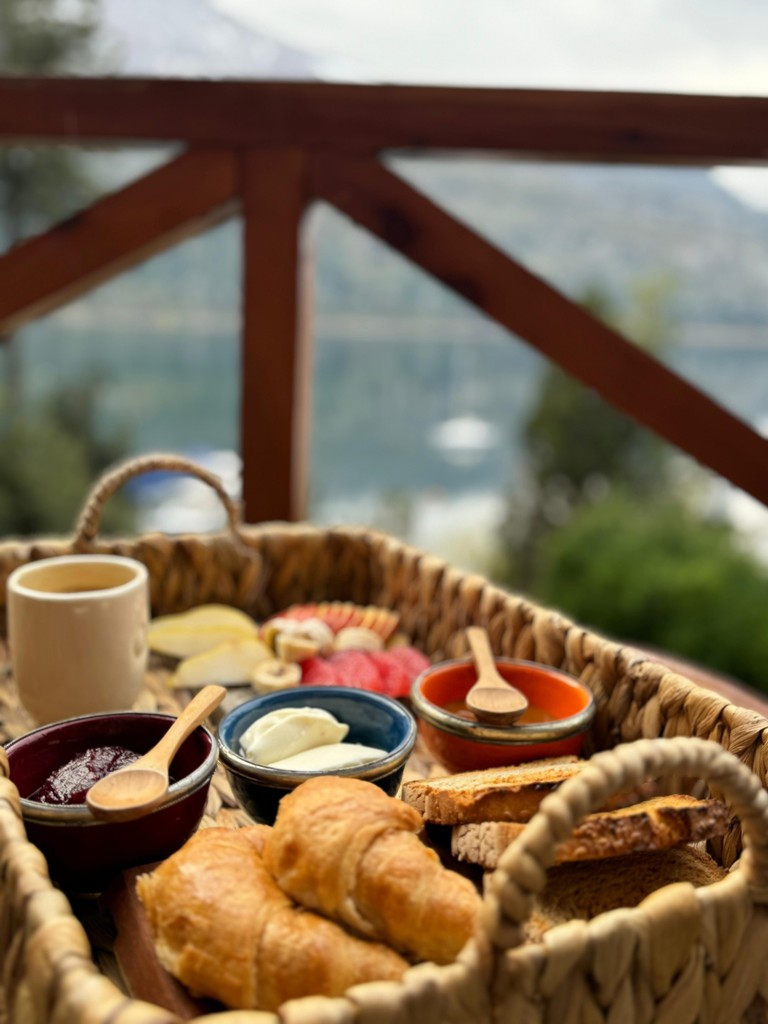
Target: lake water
(419,435)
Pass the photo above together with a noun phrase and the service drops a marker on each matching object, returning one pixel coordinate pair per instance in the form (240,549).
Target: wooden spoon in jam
(133,791)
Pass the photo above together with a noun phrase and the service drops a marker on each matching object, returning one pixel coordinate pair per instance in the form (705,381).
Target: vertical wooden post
(276,349)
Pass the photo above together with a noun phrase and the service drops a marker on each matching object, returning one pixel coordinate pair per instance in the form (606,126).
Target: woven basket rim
(636,696)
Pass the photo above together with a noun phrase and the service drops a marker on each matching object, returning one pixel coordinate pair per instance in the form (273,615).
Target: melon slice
(344,614)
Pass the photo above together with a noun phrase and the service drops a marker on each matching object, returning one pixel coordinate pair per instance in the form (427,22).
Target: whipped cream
(303,739)
(328,756)
(289,731)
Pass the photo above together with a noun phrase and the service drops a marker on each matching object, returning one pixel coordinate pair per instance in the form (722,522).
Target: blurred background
(428,421)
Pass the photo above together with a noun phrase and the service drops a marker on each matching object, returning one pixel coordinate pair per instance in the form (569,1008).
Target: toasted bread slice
(657,824)
(493,794)
(585,889)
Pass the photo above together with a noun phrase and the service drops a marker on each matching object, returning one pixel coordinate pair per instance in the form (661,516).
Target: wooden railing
(268,150)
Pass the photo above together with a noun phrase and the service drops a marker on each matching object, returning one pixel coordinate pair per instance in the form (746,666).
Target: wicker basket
(684,955)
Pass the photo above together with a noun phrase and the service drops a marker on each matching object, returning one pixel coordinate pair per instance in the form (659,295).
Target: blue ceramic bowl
(373,719)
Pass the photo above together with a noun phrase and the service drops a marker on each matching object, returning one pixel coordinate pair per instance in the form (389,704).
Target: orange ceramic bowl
(460,744)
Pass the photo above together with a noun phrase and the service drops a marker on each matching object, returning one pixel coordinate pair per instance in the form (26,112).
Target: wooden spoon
(132,791)
(492,699)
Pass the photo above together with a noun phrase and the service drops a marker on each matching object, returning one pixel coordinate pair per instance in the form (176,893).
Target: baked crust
(502,794)
(224,928)
(343,847)
(657,824)
(492,794)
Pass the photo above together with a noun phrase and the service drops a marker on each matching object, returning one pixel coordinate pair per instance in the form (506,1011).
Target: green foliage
(49,459)
(46,36)
(42,37)
(578,447)
(656,574)
(574,438)
(603,531)
(50,454)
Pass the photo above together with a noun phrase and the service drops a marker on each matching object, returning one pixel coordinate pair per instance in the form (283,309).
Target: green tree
(656,574)
(605,532)
(49,458)
(40,184)
(50,454)
(578,447)
(42,37)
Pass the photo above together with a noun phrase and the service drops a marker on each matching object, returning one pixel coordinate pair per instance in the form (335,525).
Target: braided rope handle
(521,873)
(90,517)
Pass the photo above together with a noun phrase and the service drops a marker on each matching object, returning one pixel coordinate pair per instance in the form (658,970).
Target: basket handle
(521,873)
(90,517)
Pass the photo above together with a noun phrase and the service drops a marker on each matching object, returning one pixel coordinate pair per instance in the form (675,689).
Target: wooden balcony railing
(268,150)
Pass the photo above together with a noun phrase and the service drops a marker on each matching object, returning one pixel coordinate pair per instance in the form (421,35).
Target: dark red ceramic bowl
(83,854)
(463,745)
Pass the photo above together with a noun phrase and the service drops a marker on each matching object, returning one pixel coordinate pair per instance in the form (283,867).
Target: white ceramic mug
(77,631)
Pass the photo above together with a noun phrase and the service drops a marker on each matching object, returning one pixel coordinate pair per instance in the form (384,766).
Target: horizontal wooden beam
(177,200)
(544,124)
(625,375)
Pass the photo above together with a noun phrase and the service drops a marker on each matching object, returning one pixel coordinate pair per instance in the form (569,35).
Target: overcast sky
(675,45)
(699,46)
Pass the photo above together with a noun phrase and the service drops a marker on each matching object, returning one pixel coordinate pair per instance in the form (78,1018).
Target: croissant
(345,848)
(223,927)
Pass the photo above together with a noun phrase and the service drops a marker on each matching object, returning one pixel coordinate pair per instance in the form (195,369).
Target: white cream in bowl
(303,740)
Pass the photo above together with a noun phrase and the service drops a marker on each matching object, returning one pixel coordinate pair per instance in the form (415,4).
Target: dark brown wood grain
(265,135)
(548,124)
(587,349)
(179,199)
(275,346)
(142,973)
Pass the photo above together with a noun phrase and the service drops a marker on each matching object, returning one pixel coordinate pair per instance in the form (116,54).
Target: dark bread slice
(656,824)
(585,889)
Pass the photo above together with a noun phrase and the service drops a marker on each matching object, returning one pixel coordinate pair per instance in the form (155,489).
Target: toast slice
(585,889)
(657,824)
(492,794)
(503,794)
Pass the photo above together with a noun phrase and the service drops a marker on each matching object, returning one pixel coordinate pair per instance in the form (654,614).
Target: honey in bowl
(532,713)
(559,715)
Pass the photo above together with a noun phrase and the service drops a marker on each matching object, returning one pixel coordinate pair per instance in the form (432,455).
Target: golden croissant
(223,927)
(341,846)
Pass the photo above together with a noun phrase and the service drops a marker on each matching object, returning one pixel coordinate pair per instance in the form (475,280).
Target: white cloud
(672,45)
(750,184)
(693,46)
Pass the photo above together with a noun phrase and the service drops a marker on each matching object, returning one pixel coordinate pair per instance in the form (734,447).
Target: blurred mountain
(398,357)
(577,225)
(193,39)
(580,226)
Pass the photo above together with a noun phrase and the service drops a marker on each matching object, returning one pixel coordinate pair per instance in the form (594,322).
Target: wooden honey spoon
(492,699)
(132,791)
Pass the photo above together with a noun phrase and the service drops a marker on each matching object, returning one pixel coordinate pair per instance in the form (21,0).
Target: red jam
(69,783)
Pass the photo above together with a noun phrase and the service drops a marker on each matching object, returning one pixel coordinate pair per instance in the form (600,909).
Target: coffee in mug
(77,631)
